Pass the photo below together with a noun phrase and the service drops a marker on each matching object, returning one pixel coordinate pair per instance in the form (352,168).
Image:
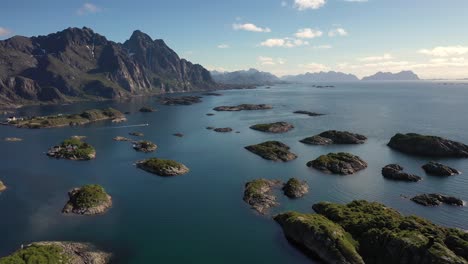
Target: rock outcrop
(302,112)
(258,194)
(2,187)
(13,139)
(223,129)
(435,199)
(272,150)
(295,188)
(439,169)
(58,252)
(338,163)
(243,107)
(147,109)
(72,149)
(119,138)
(88,200)
(395,172)
(277,127)
(431,146)
(136,134)
(144,146)
(181,100)
(162,167)
(335,137)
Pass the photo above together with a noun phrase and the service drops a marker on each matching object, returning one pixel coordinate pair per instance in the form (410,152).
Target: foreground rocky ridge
(79,64)
(370,232)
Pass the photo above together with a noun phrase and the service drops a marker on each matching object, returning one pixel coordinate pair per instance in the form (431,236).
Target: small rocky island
(144,146)
(272,150)
(147,109)
(60,120)
(72,149)
(258,194)
(335,137)
(439,169)
(88,200)
(182,100)
(338,163)
(302,112)
(223,129)
(136,134)
(243,107)
(277,127)
(435,199)
(51,252)
(369,232)
(295,188)
(2,187)
(430,146)
(13,139)
(162,167)
(395,172)
(120,138)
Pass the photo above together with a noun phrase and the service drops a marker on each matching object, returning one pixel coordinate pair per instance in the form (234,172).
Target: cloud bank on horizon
(284,37)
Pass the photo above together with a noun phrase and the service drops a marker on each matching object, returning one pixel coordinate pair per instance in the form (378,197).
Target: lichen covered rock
(277,127)
(258,194)
(272,150)
(162,167)
(295,188)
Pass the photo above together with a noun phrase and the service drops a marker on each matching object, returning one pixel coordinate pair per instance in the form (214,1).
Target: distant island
(78,64)
(330,76)
(388,76)
(248,77)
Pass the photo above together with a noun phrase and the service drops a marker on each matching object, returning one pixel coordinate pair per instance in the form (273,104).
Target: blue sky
(283,37)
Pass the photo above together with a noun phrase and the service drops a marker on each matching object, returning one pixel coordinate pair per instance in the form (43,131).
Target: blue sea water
(200,217)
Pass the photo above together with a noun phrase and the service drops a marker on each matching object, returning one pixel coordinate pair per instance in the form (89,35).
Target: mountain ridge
(245,77)
(388,76)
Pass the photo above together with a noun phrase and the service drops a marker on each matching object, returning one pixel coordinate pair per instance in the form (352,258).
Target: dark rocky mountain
(79,64)
(249,77)
(330,76)
(388,76)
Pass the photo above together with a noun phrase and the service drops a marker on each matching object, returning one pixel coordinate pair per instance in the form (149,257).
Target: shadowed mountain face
(330,76)
(249,77)
(388,76)
(78,64)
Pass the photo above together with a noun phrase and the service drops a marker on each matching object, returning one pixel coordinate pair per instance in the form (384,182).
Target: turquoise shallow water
(200,217)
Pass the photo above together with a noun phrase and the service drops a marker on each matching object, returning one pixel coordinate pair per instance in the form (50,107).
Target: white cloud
(270,61)
(384,57)
(446,51)
(284,42)
(4,31)
(250,27)
(308,33)
(338,32)
(223,46)
(88,8)
(314,67)
(308,4)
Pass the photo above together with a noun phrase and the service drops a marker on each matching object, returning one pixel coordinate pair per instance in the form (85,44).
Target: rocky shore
(88,200)
(439,169)
(272,150)
(72,149)
(295,188)
(335,137)
(302,112)
(277,127)
(431,146)
(162,167)
(435,199)
(182,100)
(243,107)
(51,252)
(338,163)
(395,172)
(258,194)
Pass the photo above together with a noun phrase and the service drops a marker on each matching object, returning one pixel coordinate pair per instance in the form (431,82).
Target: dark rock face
(147,109)
(338,163)
(223,129)
(395,172)
(243,107)
(182,100)
(388,76)
(302,112)
(435,199)
(278,127)
(212,94)
(258,194)
(438,169)
(335,137)
(295,188)
(77,63)
(272,150)
(431,146)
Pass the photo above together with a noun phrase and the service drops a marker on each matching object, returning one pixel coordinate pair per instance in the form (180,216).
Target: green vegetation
(74,148)
(272,150)
(256,187)
(331,158)
(37,254)
(90,196)
(163,164)
(68,120)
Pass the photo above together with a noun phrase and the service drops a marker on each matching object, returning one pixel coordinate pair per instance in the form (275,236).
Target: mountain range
(388,76)
(248,77)
(330,76)
(79,64)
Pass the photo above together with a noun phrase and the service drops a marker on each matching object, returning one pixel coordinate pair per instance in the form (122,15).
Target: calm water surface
(200,217)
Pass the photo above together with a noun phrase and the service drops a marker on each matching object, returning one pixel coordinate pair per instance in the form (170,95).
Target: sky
(429,37)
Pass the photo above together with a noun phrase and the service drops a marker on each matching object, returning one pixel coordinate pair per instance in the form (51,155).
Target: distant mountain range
(388,76)
(330,76)
(79,64)
(249,77)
